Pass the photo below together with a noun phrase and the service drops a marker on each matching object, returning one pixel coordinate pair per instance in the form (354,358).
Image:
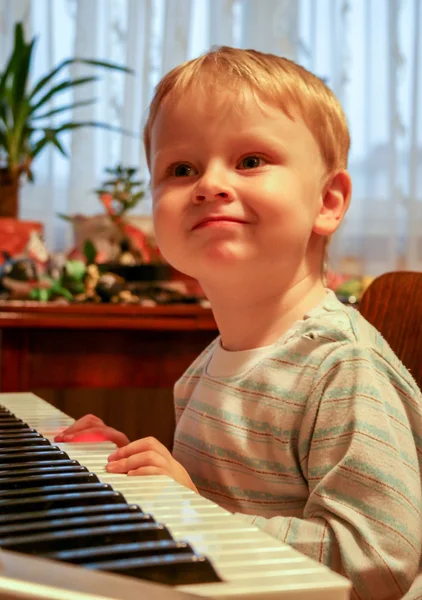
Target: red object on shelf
(15,234)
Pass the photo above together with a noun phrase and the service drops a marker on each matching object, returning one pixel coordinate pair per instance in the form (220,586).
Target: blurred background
(368,51)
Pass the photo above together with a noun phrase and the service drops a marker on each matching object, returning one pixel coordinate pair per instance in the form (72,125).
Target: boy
(299,415)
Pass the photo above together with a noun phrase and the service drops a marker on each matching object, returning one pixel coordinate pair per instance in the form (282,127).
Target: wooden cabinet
(118,362)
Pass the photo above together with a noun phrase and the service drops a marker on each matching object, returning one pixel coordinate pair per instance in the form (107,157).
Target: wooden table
(119,362)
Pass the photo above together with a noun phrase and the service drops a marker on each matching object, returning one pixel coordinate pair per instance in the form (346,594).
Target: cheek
(162,207)
(287,198)
(161,221)
(167,222)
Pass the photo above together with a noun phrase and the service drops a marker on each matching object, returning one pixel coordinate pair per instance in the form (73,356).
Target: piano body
(206,550)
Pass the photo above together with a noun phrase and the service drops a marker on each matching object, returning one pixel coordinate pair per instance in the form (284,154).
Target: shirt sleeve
(359,449)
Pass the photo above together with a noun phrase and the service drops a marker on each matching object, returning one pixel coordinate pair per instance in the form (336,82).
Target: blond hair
(274,80)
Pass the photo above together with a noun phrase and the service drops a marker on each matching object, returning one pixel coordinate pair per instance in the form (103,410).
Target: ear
(334,203)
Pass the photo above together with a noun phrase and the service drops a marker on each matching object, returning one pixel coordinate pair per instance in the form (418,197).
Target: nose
(213,185)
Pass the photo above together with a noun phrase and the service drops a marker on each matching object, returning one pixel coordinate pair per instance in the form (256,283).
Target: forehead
(195,108)
(203,119)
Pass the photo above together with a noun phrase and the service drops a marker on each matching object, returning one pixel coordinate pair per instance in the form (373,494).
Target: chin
(181,264)
(208,258)
(208,266)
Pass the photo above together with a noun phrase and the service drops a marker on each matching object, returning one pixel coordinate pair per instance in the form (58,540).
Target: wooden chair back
(393,304)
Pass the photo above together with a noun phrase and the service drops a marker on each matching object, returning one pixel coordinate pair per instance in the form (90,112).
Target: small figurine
(109,287)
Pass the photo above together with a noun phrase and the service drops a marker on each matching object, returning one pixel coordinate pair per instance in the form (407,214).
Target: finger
(97,434)
(148,444)
(147,471)
(86,422)
(136,461)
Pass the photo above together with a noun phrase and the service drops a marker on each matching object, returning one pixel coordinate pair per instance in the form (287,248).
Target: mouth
(216,221)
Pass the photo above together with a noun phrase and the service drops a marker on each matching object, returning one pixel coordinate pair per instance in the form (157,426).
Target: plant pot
(106,236)
(15,235)
(9,194)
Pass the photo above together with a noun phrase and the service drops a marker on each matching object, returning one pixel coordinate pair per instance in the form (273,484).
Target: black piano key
(50,501)
(32,450)
(50,454)
(119,551)
(42,481)
(21,442)
(50,505)
(20,435)
(82,488)
(70,511)
(46,470)
(16,529)
(84,537)
(8,426)
(9,416)
(7,413)
(172,569)
(34,466)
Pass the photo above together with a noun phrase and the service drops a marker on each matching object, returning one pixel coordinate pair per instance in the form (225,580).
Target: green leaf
(58,289)
(60,109)
(50,137)
(19,109)
(54,140)
(110,182)
(44,80)
(68,61)
(10,68)
(90,252)
(5,115)
(17,56)
(41,294)
(67,126)
(64,85)
(19,133)
(20,79)
(2,139)
(104,64)
(75,269)
(39,146)
(50,134)
(64,217)
(138,196)
(19,36)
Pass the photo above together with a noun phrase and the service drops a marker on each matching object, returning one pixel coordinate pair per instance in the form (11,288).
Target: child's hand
(91,429)
(148,456)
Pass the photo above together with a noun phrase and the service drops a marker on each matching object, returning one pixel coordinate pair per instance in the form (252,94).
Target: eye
(182,170)
(250,162)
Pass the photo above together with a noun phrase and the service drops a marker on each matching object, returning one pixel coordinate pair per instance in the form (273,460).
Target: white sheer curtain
(369,52)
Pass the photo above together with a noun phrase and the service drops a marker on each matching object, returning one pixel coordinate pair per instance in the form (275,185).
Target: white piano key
(252,564)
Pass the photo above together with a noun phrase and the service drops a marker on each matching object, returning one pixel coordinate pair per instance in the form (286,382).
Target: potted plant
(121,243)
(25,129)
(139,258)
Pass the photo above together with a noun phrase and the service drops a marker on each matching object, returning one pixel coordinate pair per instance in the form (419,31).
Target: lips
(216,219)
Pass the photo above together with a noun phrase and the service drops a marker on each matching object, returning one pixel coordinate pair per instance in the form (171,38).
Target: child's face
(234,187)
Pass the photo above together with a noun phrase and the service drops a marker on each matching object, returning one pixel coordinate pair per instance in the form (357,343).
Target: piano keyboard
(237,559)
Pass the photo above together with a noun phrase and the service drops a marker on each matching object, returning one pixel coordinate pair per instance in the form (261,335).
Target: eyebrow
(174,149)
(272,143)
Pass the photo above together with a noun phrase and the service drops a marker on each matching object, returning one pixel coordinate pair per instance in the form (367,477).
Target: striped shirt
(318,439)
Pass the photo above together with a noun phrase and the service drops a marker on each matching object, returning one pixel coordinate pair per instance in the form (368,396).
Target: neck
(251,318)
